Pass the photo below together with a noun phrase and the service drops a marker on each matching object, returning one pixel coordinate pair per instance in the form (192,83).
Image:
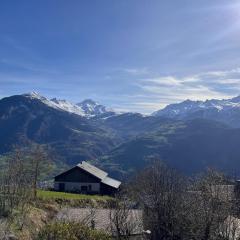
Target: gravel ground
(101,218)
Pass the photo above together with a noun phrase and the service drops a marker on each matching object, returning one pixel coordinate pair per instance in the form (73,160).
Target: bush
(70,231)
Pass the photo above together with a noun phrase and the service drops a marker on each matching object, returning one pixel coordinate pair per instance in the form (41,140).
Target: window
(84,188)
(61,187)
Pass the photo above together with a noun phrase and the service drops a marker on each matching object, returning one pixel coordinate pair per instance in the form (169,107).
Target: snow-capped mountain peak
(93,108)
(34,95)
(67,106)
(87,108)
(224,109)
(89,101)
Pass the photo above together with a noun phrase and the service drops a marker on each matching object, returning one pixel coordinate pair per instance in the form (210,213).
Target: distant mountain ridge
(31,117)
(87,108)
(190,147)
(226,110)
(190,136)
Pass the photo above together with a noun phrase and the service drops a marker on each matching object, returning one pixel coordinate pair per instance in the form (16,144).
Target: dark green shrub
(70,231)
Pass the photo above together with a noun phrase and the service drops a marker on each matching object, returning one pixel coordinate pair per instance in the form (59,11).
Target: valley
(123,143)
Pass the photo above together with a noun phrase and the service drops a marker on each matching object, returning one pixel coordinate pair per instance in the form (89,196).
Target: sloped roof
(111,182)
(92,170)
(99,174)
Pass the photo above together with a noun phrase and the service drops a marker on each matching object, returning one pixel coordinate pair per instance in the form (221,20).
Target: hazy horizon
(117,110)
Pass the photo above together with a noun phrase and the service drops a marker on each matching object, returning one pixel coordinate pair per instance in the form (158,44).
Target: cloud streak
(159,91)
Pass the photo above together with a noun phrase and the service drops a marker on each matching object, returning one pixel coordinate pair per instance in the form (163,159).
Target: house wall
(76,186)
(107,190)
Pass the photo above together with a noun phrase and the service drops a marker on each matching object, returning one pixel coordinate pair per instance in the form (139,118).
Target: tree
(124,221)
(214,204)
(18,183)
(177,208)
(38,157)
(160,190)
(15,184)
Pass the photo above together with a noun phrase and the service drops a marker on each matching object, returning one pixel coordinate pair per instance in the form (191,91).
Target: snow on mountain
(87,108)
(93,108)
(35,95)
(69,107)
(209,108)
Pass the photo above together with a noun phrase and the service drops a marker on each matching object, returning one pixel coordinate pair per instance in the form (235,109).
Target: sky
(131,55)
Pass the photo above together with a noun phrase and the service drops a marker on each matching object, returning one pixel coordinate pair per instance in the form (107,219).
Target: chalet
(86,178)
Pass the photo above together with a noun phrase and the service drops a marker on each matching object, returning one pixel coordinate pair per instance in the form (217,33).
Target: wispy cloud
(150,91)
(159,91)
(135,71)
(137,89)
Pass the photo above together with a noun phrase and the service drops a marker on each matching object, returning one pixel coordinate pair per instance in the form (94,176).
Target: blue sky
(136,55)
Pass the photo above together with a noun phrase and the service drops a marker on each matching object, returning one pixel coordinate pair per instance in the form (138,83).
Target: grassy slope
(43,211)
(47,195)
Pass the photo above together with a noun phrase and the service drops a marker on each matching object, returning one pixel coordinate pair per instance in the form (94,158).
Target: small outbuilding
(86,178)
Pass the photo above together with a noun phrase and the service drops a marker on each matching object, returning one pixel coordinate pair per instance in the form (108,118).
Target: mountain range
(87,108)
(190,136)
(226,110)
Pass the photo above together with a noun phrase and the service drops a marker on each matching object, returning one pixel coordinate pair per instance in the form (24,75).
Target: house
(86,178)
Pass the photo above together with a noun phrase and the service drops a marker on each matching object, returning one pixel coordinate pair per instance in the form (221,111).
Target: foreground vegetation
(27,213)
(174,207)
(70,231)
